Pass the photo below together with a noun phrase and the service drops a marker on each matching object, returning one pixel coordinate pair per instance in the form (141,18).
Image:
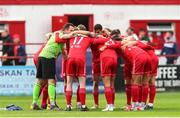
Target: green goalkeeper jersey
(52,49)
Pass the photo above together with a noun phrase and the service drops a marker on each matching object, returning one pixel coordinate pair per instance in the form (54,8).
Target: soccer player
(76,67)
(138,60)
(106,32)
(96,67)
(108,59)
(64,65)
(46,67)
(44,87)
(152,75)
(152,86)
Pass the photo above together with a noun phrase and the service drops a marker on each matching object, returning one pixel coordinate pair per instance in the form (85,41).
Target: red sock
(82,95)
(77,94)
(108,95)
(68,97)
(140,94)
(96,96)
(128,94)
(113,95)
(145,89)
(44,96)
(135,93)
(152,93)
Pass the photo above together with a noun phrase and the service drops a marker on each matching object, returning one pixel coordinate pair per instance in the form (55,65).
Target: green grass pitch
(167,105)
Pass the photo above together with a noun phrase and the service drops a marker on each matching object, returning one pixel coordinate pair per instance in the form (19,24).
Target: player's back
(131,52)
(78,46)
(108,52)
(95,52)
(144,46)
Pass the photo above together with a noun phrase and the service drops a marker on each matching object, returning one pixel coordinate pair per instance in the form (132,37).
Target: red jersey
(97,43)
(132,51)
(95,53)
(78,46)
(129,52)
(144,46)
(108,52)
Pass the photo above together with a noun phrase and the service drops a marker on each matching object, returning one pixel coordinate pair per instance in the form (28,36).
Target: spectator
(170,47)
(7,50)
(130,32)
(143,36)
(19,50)
(157,40)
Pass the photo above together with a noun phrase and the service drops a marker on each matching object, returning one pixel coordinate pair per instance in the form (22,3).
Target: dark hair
(115,32)
(171,32)
(81,27)
(116,37)
(131,28)
(98,27)
(67,25)
(109,30)
(141,30)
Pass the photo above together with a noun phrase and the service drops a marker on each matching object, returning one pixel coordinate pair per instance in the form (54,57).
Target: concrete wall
(38,17)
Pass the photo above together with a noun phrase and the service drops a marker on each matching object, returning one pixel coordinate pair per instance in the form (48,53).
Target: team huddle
(140,68)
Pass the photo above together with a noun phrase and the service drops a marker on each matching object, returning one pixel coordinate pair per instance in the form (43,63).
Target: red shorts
(63,68)
(154,62)
(108,66)
(76,67)
(96,70)
(141,64)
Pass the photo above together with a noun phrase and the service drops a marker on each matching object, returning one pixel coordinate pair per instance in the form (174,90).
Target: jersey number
(76,41)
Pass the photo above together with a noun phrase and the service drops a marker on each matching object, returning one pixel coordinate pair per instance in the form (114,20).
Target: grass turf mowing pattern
(167,105)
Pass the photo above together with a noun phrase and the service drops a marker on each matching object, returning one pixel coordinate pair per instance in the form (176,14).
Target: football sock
(108,95)
(96,96)
(152,93)
(140,94)
(52,92)
(68,97)
(113,95)
(145,89)
(82,95)
(128,94)
(44,96)
(135,93)
(36,91)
